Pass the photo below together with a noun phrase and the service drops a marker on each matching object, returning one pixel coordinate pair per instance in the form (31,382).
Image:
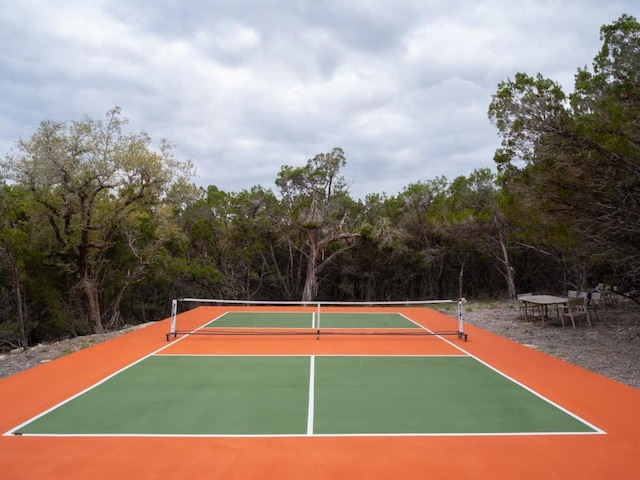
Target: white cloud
(245,87)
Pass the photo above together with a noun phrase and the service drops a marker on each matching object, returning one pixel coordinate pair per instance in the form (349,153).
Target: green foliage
(571,167)
(89,185)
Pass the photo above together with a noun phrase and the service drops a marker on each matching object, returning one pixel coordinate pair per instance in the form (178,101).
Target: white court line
(312,381)
(306,435)
(303,355)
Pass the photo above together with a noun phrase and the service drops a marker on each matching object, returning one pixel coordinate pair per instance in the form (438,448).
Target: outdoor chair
(522,306)
(594,304)
(610,298)
(575,308)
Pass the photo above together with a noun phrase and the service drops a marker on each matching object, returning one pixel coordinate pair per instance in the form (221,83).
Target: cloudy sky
(243,87)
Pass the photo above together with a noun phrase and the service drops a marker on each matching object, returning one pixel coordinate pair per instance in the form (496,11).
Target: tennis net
(198,316)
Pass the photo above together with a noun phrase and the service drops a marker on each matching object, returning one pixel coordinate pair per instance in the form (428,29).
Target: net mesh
(233,317)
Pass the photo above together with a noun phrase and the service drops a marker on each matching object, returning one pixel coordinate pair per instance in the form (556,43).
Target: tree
(577,159)
(317,200)
(14,240)
(235,234)
(607,109)
(476,218)
(416,204)
(88,178)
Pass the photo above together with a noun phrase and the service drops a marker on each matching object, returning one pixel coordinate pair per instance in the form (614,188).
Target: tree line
(99,229)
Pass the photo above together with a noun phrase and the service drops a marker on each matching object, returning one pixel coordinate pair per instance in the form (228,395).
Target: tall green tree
(318,205)
(88,178)
(607,111)
(576,158)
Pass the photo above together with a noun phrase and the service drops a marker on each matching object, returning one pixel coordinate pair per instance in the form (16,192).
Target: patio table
(544,301)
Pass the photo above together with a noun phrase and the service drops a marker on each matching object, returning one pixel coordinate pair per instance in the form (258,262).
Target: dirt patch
(611,347)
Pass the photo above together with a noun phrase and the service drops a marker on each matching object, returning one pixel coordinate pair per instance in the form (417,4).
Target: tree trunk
(311,282)
(508,269)
(93,304)
(17,288)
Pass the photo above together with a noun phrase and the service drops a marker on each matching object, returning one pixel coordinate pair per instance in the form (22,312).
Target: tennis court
(334,393)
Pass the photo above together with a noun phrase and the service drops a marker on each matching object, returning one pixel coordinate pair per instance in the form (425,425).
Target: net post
(174,314)
(461,333)
(318,321)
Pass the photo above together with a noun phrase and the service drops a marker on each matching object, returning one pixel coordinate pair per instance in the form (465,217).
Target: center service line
(312,370)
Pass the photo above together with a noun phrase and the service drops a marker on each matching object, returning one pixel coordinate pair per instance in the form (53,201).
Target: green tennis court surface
(310,320)
(306,395)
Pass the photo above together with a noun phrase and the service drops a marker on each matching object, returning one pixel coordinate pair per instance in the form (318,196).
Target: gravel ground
(611,347)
